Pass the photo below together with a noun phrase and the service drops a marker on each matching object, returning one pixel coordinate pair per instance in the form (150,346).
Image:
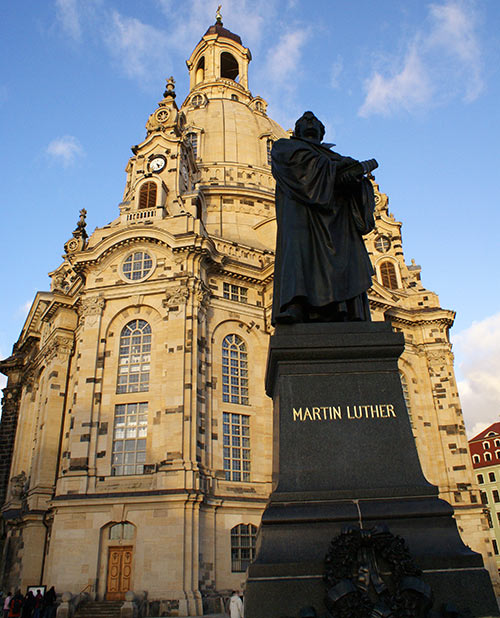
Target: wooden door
(119,572)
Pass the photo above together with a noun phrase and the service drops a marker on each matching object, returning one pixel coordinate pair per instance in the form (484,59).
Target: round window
(382,244)
(137,266)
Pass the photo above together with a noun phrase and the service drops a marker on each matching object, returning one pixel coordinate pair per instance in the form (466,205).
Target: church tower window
(135,358)
(388,275)
(229,66)
(234,370)
(147,195)
(200,70)
(236,436)
(243,538)
(129,439)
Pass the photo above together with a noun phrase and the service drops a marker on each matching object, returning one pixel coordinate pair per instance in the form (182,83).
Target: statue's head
(309,126)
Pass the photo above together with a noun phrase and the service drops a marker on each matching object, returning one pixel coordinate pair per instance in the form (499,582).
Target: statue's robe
(321,259)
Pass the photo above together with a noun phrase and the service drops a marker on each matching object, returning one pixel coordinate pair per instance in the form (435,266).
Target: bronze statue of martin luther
(324,206)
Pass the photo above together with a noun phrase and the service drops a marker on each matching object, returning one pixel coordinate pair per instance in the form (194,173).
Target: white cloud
(24,308)
(139,49)
(478,347)
(283,60)
(336,70)
(69,17)
(65,149)
(441,61)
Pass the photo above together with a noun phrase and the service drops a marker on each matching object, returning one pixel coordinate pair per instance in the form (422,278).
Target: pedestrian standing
(6,604)
(16,605)
(235,606)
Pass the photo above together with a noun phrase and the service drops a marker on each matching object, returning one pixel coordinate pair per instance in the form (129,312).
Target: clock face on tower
(157,163)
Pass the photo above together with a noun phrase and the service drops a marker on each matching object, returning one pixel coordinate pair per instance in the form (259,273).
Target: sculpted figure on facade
(17,484)
(324,205)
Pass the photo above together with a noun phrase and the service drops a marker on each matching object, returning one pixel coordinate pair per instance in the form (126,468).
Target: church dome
(232,136)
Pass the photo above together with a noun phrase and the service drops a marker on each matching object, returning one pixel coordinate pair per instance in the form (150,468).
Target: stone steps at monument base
(99,609)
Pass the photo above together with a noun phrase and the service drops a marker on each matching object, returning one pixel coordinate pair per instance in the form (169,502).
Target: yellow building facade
(137,431)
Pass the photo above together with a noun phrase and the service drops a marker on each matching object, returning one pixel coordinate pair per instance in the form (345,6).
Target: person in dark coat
(28,605)
(324,206)
(49,603)
(16,605)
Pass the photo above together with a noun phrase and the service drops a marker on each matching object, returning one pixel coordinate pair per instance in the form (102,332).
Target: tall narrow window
(135,358)
(200,70)
(406,395)
(236,437)
(388,275)
(491,477)
(269,147)
(147,195)
(129,438)
(193,140)
(234,370)
(480,479)
(242,546)
(476,458)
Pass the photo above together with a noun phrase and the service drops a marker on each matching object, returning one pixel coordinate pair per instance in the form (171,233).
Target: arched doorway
(119,543)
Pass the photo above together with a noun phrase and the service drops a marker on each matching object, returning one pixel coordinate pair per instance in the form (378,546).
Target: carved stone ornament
(17,486)
(59,346)
(370,573)
(90,309)
(177,296)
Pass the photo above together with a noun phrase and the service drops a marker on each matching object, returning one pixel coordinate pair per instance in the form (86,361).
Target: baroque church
(136,433)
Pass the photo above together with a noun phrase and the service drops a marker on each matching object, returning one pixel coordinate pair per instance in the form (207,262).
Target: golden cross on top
(218,16)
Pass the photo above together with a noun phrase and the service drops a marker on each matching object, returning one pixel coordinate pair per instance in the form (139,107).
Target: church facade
(137,433)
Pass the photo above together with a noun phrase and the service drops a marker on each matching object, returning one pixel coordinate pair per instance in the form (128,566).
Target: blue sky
(414,84)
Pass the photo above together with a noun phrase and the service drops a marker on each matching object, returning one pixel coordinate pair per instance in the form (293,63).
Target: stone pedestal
(344,455)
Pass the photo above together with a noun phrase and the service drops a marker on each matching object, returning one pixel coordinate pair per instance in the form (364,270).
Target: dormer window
(200,71)
(388,275)
(197,100)
(147,195)
(229,66)
(259,107)
(193,140)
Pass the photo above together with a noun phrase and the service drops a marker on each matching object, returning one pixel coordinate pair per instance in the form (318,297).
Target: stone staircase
(99,609)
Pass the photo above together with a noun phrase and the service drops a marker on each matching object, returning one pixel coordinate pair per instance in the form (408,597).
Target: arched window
(147,195)
(193,140)
(234,370)
(234,97)
(476,458)
(129,438)
(497,442)
(406,395)
(497,454)
(228,66)
(487,457)
(135,358)
(486,445)
(122,532)
(242,546)
(269,147)
(388,275)
(200,71)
